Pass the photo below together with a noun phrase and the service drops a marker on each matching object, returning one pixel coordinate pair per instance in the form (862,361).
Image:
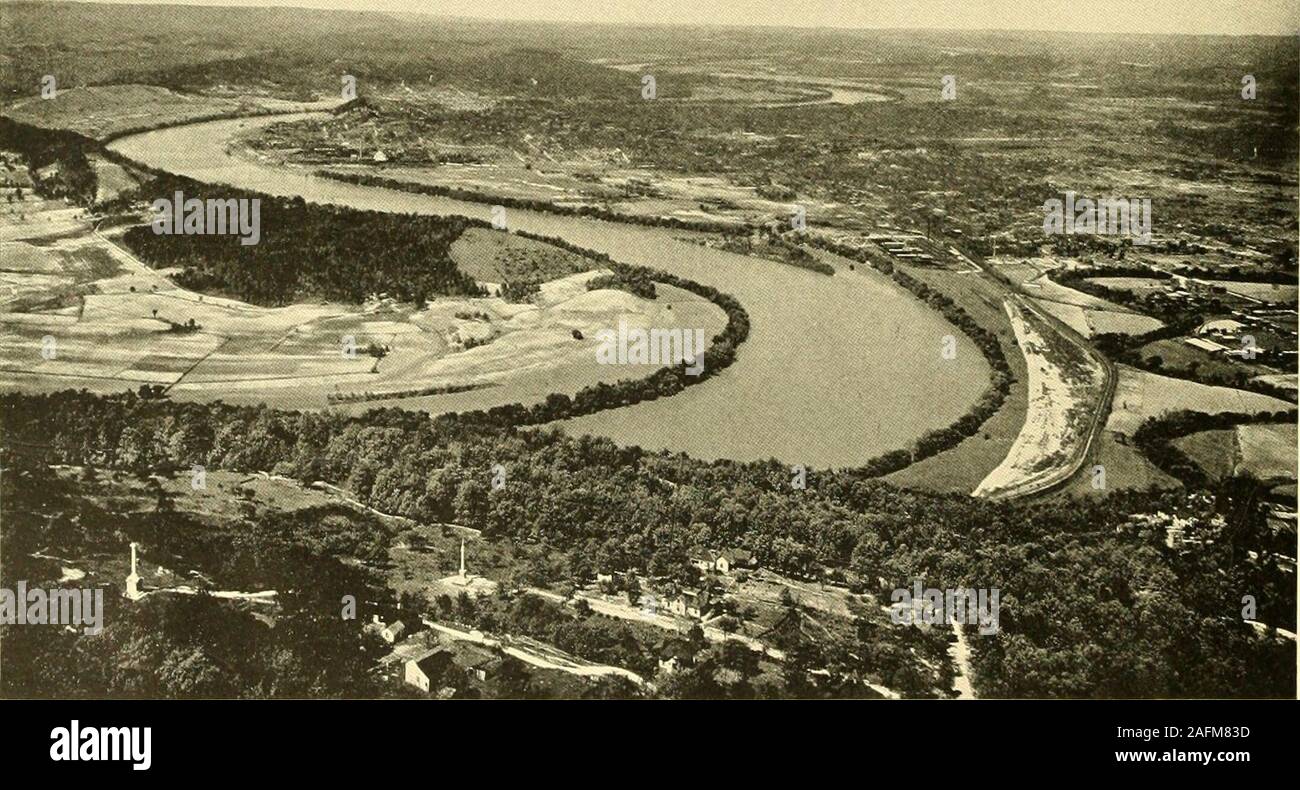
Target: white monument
(133,580)
(464,581)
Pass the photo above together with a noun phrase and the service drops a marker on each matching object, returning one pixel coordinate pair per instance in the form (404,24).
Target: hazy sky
(1111,16)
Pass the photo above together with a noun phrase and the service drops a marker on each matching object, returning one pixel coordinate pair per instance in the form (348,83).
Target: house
(734,559)
(484,669)
(690,603)
(424,671)
(675,654)
(604,578)
(393,631)
(724,561)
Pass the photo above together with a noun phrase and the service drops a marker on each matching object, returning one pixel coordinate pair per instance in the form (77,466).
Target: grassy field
(1126,469)
(1264,292)
(1140,395)
(1176,355)
(1265,450)
(1214,451)
(101,112)
(494,257)
(1268,450)
(116,324)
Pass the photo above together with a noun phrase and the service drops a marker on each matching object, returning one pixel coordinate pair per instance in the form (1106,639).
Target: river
(836,370)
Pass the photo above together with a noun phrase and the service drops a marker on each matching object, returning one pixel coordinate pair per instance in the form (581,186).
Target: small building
(484,669)
(675,654)
(734,559)
(724,561)
(422,672)
(690,603)
(1205,345)
(393,631)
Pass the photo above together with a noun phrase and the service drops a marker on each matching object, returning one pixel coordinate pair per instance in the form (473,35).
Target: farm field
(1140,395)
(101,112)
(1127,469)
(1214,451)
(1274,293)
(1268,450)
(81,312)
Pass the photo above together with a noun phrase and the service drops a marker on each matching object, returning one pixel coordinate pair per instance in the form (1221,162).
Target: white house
(420,672)
(393,631)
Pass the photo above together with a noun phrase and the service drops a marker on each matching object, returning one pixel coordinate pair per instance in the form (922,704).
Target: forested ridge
(1078,579)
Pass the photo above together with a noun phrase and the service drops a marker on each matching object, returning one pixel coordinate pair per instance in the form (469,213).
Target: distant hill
(104,111)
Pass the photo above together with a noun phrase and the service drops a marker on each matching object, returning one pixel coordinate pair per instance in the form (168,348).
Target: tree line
(591,506)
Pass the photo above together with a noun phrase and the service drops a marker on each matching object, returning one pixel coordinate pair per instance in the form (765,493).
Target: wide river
(836,370)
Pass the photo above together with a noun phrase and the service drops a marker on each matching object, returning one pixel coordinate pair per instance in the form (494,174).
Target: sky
(1235,17)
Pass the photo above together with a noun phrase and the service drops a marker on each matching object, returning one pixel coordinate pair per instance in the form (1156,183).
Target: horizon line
(299,5)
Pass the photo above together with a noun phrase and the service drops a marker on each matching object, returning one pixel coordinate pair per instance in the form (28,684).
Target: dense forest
(308,250)
(39,148)
(1078,580)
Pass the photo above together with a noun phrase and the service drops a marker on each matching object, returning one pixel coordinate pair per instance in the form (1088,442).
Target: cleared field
(1263,292)
(494,257)
(1088,321)
(534,350)
(1214,451)
(1107,321)
(114,324)
(1045,288)
(1268,450)
(1283,380)
(1140,395)
(40,220)
(103,111)
(1071,315)
(1126,469)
